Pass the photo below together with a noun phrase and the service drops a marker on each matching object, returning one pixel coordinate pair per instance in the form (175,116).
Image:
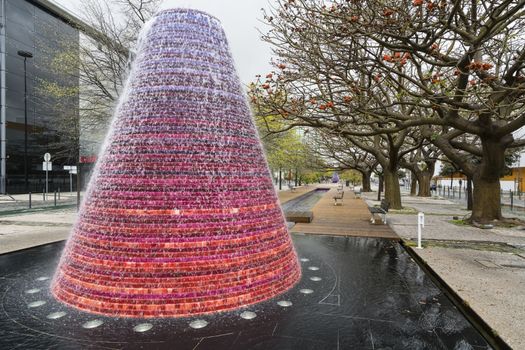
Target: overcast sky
(240,19)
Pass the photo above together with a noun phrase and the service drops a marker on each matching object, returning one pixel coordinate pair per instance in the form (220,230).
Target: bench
(382,210)
(339,197)
(357,193)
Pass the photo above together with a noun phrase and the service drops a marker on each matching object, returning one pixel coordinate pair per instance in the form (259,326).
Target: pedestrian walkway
(350,219)
(26,230)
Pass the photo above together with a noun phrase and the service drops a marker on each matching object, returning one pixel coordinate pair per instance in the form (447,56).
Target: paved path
(350,219)
(28,230)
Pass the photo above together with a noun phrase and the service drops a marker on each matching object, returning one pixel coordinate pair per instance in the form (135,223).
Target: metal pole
(46,179)
(25,55)
(70,181)
(26,174)
(44,194)
(511,200)
(3,143)
(78,186)
(29,200)
(58,192)
(55,198)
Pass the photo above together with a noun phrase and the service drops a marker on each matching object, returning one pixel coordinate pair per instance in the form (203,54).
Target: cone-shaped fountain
(180,217)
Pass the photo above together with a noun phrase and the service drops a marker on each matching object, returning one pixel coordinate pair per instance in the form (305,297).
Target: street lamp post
(25,55)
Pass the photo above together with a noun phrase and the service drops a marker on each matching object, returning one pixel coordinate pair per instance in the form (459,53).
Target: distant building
(515,181)
(42,29)
(454,180)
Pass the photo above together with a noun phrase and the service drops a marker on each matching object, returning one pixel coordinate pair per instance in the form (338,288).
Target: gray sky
(240,20)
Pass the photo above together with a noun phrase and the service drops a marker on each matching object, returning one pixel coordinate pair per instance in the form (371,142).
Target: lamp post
(25,55)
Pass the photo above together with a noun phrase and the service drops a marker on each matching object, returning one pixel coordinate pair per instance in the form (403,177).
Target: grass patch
(459,222)
(405,210)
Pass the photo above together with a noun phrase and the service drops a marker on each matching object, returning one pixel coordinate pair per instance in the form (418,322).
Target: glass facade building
(52,124)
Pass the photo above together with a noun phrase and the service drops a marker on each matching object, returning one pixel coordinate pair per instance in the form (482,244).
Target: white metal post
(46,182)
(71,181)
(420,225)
(47,164)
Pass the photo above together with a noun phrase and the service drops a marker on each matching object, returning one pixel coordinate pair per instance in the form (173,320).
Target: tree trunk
(366,181)
(469,193)
(486,180)
(280,179)
(413,185)
(380,187)
(392,190)
(423,180)
(486,205)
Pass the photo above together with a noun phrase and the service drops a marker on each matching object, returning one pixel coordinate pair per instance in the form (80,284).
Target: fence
(513,200)
(39,200)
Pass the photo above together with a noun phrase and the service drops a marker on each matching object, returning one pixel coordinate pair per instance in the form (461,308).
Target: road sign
(72,171)
(47,157)
(47,166)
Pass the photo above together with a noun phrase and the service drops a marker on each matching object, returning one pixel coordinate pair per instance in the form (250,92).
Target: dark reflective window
(51,40)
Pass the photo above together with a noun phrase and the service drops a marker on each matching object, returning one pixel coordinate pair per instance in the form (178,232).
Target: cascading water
(180,217)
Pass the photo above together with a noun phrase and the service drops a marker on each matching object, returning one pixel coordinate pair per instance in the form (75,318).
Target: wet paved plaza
(355,293)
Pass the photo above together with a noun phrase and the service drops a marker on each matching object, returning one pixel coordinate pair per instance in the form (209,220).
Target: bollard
(59,193)
(420,224)
(453,193)
(511,200)
(55,198)
(44,194)
(29,200)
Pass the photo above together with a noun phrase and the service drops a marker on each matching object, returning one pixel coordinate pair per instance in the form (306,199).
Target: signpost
(47,166)
(420,225)
(72,170)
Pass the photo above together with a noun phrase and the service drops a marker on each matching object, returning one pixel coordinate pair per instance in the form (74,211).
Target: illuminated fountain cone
(181,216)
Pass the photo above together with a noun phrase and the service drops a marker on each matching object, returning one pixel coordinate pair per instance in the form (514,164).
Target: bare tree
(345,155)
(449,67)
(99,62)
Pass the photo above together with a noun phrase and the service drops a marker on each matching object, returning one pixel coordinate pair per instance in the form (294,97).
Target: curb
(35,246)
(494,340)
